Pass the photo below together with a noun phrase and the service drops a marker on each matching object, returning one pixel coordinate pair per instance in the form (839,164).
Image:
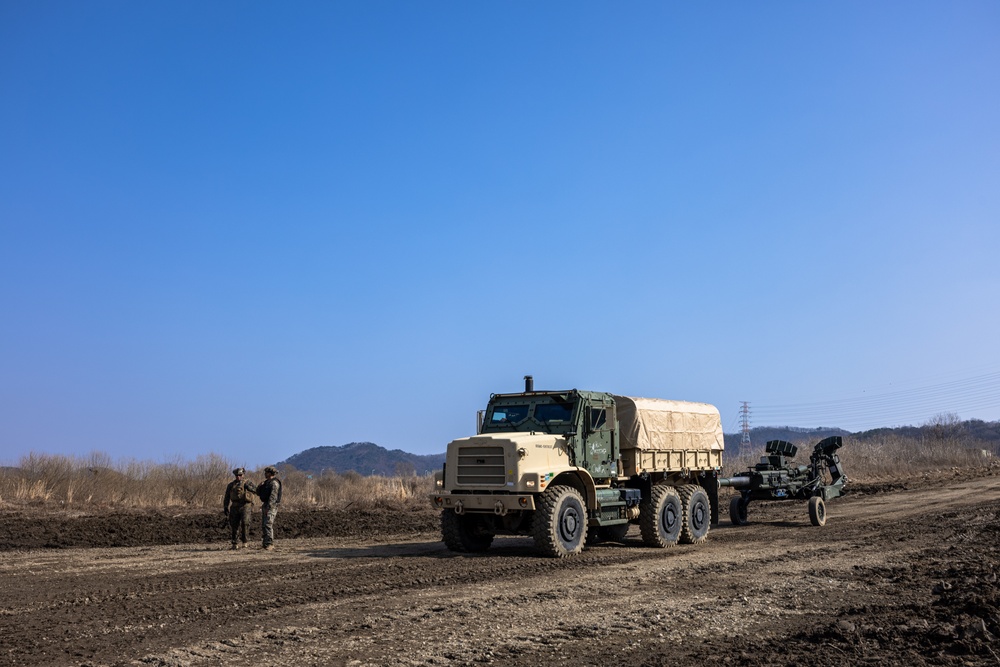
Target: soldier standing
(237,504)
(270,494)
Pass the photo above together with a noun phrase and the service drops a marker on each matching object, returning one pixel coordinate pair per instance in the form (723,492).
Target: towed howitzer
(777,477)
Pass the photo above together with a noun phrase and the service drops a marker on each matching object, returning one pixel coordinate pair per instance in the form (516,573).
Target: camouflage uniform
(238,512)
(270,494)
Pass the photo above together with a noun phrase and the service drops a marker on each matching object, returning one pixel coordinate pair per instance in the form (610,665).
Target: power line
(888,408)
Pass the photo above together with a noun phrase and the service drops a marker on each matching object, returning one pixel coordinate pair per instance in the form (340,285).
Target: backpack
(241,492)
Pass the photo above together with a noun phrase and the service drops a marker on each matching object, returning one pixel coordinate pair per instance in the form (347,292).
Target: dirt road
(896,577)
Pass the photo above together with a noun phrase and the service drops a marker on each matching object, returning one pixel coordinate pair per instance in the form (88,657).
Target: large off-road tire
(615,533)
(465,533)
(817,511)
(738,511)
(660,517)
(599,534)
(560,523)
(697,514)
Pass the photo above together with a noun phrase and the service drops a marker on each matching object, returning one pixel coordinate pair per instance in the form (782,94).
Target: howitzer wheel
(465,533)
(660,517)
(738,511)
(817,511)
(697,517)
(560,523)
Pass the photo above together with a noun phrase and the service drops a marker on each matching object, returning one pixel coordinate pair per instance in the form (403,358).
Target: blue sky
(252,229)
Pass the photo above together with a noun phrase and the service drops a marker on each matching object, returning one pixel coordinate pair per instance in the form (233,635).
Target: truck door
(600,459)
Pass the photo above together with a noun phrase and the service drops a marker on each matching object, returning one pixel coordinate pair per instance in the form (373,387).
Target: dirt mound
(44,530)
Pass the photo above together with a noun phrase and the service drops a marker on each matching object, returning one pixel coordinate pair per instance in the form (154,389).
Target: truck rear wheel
(465,533)
(615,533)
(817,511)
(738,511)
(697,514)
(660,517)
(599,534)
(560,524)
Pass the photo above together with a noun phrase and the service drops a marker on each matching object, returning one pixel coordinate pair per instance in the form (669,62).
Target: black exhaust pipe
(529,384)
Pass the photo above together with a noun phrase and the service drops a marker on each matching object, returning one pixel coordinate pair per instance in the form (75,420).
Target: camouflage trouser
(267,523)
(239,520)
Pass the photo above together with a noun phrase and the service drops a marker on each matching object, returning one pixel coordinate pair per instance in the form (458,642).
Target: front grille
(481,466)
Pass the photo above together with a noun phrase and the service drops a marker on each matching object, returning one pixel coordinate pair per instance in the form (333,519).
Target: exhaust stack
(529,384)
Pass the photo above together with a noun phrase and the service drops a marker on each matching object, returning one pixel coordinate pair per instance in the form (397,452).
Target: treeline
(971,433)
(978,432)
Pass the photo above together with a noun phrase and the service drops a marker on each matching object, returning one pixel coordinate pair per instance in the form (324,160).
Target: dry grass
(96,482)
(886,457)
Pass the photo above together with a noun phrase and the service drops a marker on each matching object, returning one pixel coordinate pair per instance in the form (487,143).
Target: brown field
(904,573)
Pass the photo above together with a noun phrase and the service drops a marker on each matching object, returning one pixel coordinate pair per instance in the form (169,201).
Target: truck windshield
(509,414)
(557,412)
(548,413)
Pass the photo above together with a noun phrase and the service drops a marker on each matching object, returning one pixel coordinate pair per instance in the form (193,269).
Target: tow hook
(459,508)
(499,509)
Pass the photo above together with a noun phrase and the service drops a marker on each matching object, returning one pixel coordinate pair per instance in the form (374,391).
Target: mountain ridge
(365,458)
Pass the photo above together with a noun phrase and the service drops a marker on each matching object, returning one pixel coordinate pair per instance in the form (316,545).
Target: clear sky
(252,228)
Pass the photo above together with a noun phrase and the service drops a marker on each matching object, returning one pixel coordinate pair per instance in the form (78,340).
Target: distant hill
(365,458)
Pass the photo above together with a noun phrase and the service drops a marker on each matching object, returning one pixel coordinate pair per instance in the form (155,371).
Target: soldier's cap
(239,471)
(270,470)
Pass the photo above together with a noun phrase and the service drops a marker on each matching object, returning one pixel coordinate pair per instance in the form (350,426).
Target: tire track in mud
(157,609)
(179,605)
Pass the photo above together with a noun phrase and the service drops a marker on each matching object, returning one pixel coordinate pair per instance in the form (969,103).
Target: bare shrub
(338,490)
(95,481)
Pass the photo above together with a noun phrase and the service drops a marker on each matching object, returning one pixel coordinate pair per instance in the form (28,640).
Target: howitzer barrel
(736,482)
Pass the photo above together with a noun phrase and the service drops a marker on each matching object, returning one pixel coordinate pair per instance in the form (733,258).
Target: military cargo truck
(574,467)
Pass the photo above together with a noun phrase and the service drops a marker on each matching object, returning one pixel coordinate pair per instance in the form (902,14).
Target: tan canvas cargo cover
(661,425)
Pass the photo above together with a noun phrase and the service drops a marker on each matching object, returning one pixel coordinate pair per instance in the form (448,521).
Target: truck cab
(582,420)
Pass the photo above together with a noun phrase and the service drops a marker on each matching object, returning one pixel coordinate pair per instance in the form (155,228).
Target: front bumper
(492,503)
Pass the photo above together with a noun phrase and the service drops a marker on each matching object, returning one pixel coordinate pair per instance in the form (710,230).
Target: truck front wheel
(560,523)
(465,533)
(660,517)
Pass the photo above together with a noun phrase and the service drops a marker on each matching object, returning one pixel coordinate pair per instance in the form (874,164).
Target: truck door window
(598,417)
(509,414)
